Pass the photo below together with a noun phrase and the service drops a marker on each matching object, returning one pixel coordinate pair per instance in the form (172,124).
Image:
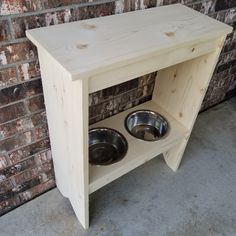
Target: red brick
(93,120)
(16,141)
(11,128)
(45,167)
(96,98)
(5,185)
(119,97)
(19,167)
(144,99)
(232,85)
(20,6)
(197,6)
(36,190)
(2,178)
(125,87)
(20,91)
(226,57)
(36,103)
(3,161)
(220,16)
(47,175)
(4,31)
(101,108)
(16,52)
(58,3)
(42,157)
(225,66)
(60,17)
(132,5)
(167,2)
(11,112)
(25,175)
(26,185)
(7,195)
(21,24)
(146,79)
(96,11)
(233,70)
(41,132)
(224,4)
(39,118)
(29,70)
(18,155)
(230,16)
(229,46)
(8,77)
(9,204)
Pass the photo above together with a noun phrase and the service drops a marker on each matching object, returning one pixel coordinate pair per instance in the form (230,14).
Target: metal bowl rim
(156,113)
(122,137)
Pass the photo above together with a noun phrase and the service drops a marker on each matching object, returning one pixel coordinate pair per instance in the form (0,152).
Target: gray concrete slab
(198,200)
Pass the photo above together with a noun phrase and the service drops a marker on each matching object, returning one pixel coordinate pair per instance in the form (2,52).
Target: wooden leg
(67,112)
(180,89)
(174,155)
(78,150)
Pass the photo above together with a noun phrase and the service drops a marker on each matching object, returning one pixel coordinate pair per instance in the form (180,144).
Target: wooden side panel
(78,146)
(67,113)
(180,90)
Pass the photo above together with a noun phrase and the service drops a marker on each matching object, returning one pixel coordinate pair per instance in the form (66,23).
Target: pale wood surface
(90,47)
(85,56)
(139,151)
(180,89)
(153,63)
(67,114)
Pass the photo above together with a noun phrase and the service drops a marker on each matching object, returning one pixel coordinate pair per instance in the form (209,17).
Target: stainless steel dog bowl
(146,125)
(106,146)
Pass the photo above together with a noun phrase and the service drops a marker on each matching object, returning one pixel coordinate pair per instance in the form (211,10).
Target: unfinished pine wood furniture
(83,57)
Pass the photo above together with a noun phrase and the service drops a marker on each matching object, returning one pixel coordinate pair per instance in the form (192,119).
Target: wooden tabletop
(86,48)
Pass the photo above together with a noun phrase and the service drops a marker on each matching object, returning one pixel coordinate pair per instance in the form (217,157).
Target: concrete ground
(199,199)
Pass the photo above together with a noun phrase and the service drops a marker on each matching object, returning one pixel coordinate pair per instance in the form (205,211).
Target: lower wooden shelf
(139,151)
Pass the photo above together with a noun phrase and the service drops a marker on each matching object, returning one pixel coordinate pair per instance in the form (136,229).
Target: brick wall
(26,168)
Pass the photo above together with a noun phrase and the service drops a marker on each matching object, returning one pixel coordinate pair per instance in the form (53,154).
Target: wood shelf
(139,151)
(86,56)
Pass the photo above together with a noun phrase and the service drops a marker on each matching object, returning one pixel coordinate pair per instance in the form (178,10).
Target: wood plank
(68,129)
(153,63)
(85,56)
(139,151)
(90,47)
(180,89)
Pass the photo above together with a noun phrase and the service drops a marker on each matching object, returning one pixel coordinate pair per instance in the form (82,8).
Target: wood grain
(82,57)
(115,41)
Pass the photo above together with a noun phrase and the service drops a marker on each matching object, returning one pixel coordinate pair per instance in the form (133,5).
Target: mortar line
(26,158)
(26,145)
(24,131)
(55,9)
(18,63)
(20,82)
(23,117)
(12,32)
(137,99)
(122,94)
(21,100)
(14,41)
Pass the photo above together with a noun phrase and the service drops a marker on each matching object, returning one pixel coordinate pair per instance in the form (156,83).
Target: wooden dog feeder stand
(86,56)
